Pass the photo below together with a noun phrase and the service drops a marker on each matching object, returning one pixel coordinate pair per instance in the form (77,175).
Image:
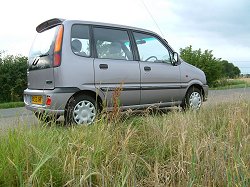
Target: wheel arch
(196,85)
(90,93)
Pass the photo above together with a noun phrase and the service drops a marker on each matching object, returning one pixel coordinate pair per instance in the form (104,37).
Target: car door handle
(103,66)
(49,82)
(147,68)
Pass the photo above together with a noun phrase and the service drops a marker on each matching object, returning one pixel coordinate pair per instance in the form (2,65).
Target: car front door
(160,78)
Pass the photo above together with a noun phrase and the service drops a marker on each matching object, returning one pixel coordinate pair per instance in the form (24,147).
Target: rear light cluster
(57,60)
(48,101)
(58,47)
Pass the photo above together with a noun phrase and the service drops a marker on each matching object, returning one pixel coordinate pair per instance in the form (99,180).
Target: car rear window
(43,43)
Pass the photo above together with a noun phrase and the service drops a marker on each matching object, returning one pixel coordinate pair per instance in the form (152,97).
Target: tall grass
(206,148)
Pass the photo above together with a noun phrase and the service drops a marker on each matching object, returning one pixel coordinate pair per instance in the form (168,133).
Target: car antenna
(145,6)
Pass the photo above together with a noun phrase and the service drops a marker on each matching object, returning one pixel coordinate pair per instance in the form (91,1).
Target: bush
(214,68)
(13,77)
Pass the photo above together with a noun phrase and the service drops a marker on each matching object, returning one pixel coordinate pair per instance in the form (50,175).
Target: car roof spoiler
(48,24)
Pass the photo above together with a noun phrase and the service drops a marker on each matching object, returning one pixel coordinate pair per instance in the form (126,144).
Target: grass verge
(206,148)
(11,105)
(231,84)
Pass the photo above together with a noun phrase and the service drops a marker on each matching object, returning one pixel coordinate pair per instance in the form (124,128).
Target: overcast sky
(219,25)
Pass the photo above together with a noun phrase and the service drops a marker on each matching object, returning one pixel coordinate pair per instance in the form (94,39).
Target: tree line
(13,77)
(13,71)
(214,68)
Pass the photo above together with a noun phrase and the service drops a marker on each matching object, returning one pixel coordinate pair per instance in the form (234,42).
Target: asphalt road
(220,96)
(15,117)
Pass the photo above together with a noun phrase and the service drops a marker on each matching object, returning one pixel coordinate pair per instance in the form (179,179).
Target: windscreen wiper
(36,60)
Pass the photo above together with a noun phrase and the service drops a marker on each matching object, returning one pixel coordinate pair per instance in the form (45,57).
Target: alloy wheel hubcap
(84,112)
(195,100)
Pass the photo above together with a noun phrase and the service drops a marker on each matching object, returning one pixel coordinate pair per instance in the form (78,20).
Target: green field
(224,84)
(206,148)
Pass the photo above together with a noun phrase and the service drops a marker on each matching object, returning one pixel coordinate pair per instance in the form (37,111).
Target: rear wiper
(43,55)
(34,63)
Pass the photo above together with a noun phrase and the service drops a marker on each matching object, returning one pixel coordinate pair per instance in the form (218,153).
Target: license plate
(37,100)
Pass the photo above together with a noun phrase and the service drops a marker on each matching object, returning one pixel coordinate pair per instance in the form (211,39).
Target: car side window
(151,49)
(112,44)
(80,40)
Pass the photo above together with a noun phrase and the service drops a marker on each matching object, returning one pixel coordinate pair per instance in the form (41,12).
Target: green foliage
(203,60)
(11,105)
(1,52)
(13,77)
(230,83)
(229,70)
(214,68)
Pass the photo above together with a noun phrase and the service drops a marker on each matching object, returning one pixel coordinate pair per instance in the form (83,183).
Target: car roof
(56,21)
(107,24)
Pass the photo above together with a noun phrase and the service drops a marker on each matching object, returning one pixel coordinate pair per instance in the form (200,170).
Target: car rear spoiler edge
(48,24)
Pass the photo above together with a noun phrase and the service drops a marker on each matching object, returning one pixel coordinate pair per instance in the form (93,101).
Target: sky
(222,26)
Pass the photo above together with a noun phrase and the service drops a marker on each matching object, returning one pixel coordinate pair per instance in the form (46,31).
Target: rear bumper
(205,89)
(59,98)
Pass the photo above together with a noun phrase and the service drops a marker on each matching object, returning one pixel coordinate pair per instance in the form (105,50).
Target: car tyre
(193,99)
(81,109)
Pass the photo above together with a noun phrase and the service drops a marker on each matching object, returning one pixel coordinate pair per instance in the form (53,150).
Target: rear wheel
(81,109)
(193,99)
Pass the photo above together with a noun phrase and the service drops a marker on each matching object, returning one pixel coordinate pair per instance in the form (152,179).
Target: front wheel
(193,99)
(81,109)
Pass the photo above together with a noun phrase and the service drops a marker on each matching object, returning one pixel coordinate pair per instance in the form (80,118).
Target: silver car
(74,68)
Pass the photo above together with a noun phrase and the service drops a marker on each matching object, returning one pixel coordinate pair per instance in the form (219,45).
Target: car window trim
(134,49)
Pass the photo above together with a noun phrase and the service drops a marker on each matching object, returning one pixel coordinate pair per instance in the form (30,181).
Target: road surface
(15,117)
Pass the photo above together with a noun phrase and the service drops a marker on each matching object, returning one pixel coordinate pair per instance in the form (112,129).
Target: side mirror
(175,58)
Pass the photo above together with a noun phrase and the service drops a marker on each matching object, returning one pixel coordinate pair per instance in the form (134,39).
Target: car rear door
(115,66)
(40,72)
